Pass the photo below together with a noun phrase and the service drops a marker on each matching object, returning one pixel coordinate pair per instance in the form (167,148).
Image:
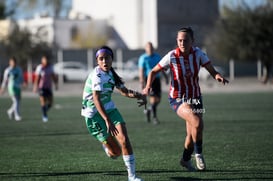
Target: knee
(115,152)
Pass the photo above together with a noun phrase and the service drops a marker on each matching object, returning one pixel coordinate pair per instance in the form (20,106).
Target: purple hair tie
(103,50)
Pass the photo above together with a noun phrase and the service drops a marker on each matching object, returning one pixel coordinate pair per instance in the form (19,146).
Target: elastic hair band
(103,50)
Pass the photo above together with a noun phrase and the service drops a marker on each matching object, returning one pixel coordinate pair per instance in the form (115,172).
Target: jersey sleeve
(141,62)
(38,70)
(204,59)
(96,82)
(164,63)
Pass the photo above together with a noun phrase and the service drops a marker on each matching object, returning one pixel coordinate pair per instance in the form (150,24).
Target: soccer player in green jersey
(103,119)
(13,79)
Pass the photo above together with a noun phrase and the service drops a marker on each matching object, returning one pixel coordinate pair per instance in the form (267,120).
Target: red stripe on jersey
(196,79)
(176,75)
(189,78)
(185,80)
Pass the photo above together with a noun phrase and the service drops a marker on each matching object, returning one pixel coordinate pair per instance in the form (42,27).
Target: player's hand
(34,89)
(146,91)
(143,101)
(111,128)
(221,79)
(1,91)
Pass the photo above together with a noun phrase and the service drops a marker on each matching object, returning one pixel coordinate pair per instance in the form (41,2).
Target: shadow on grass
(42,134)
(54,174)
(206,175)
(231,175)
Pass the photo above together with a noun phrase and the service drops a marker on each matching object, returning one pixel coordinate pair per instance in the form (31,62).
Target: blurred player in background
(145,64)
(103,119)
(13,78)
(185,96)
(44,76)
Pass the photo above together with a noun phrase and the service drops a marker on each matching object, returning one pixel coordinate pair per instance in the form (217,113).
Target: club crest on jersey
(110,81)
(98,75)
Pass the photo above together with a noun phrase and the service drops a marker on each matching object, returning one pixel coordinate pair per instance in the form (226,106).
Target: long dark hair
(117,78)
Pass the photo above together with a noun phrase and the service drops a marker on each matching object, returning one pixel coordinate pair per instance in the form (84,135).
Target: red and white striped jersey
(184,72)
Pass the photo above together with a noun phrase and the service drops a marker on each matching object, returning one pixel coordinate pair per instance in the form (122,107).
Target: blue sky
(232,3)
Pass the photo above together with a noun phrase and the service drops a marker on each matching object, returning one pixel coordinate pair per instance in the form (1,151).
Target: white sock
(129,161)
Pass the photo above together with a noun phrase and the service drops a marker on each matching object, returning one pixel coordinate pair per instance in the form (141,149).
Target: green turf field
(238,142)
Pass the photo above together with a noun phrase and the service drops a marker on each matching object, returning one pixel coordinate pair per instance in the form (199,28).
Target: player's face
(184,42)
(149,49)
(11,63)
(104,61)
(44,61)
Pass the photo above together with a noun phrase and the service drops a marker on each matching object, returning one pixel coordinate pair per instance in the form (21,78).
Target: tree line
(241,33)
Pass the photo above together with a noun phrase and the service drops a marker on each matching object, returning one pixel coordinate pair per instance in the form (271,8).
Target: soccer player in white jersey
(13,78)
(185,96)
(103,119)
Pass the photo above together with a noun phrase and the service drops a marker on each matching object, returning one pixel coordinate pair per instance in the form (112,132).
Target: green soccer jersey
(13,77)
(98,80)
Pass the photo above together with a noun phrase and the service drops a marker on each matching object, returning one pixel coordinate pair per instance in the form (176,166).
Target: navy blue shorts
(196,104)
(44,92)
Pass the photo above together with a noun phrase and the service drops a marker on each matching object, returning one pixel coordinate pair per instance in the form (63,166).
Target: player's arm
(110,126)
(141,77)
(4,82)
(133,94)
(55,80)
(165,76)
(37,78)
(216,75)
(151,78)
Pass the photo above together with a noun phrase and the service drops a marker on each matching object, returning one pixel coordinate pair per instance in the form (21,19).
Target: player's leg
(43,107)
(97,128)
(12,108)
(198,145)
(123,139)
(127,152)
(195,126)
(185,160)
(154,101)
(17,99)
(155,97)
(49,102)
(111,147)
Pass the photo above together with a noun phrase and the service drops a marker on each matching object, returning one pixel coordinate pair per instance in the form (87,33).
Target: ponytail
(117,78)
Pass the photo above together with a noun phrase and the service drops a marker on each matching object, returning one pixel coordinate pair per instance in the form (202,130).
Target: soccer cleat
(155,121)
(9,114)
(105,150)
(147,112)
(18,118)
(134,179)
(200,162)
(187,165)
(45,119)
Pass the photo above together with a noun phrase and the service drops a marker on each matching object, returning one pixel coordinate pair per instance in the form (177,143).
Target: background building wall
(174,14)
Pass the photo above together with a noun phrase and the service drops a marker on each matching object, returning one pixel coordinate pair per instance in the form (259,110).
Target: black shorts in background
(156,88)
(45,92)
